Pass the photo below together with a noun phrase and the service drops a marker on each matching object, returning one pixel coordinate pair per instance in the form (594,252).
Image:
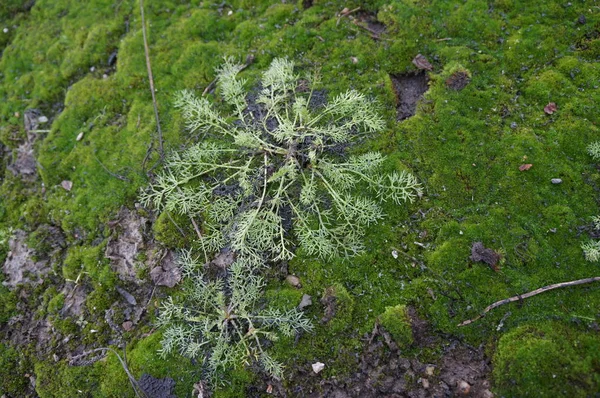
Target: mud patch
(409,89)
(382,370)
(371,23)
(19,267)
(24,163)
(127,243)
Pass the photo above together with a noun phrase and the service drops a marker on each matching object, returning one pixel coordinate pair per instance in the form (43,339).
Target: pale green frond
(400,187)
(594,150)
(197,112)
(232,89)
(591,250)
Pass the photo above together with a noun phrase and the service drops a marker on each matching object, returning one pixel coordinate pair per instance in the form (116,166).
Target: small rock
(305,302)
(463,388)
(5,30)
(293,281)
(513,125)
(318,366)
(42,119)
(79,136)
(581,20)
(354,60)
(487,394)
(92,69)
(67,185)
(105,76)
(126,295)
(556,181)
(429,370)
(127,326)
(112,58)
(425,383)
(395,254)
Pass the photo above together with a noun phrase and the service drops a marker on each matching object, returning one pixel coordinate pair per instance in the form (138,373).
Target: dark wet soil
(409,89)
(384,370)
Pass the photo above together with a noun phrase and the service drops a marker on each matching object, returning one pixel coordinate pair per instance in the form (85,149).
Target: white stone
(318,366)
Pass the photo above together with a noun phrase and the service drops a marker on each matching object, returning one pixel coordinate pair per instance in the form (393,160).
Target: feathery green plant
(268,172)
(221,322)
(594,150)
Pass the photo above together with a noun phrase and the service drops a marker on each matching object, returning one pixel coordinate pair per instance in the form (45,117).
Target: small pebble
(79,136)
(513,125)
(42,119)
(293,281)
(305,302)
(556,181)
(105,76)
(463,388)
(92,69)
(429,370)
(5,30)
(318,366)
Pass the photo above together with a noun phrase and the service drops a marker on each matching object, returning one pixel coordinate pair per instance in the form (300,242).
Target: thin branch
(134,383)
(120,177)
(520,297)
(161,151)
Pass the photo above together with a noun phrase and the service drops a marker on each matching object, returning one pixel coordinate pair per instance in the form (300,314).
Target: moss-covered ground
(465,146)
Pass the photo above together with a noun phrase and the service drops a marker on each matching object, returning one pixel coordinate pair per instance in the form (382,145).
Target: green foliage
(594,150)
(397,322)
(591,250)
(222,323)
(548,360)
(272,163)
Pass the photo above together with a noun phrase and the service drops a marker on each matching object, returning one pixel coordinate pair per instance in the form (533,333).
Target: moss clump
(397,321)
(339,307)
(547,360)
(59,380)
(13,382)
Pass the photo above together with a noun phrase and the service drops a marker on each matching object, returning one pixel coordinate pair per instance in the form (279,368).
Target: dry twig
(520,297)
(161,151)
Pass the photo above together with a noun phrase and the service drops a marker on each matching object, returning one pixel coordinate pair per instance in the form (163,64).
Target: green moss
(13,369)
(165,230)
(88,261)
(59,380)
(547,360)
(397,322)
(142,358)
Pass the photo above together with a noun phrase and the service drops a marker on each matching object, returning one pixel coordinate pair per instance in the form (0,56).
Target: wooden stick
(530,294)
(161,151)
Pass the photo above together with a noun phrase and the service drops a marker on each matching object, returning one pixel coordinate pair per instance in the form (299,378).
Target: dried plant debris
(479,253)
(458,80)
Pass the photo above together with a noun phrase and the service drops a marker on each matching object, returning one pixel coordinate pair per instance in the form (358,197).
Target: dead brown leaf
(525,167)
(550,108)
(422,63)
